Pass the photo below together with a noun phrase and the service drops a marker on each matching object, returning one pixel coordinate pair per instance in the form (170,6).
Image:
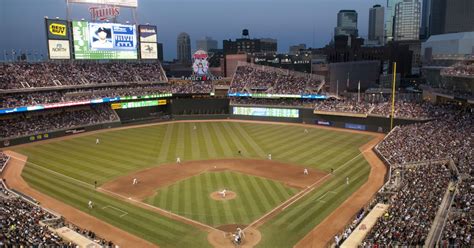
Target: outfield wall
(219,108)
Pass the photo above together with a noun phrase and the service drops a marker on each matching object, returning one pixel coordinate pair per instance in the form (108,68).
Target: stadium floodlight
(57,17)
(127,22)
(46,17)
(82,19)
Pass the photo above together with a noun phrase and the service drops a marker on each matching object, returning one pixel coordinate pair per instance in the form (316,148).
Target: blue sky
(289,21)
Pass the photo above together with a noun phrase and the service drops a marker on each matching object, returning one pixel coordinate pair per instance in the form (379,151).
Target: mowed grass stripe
(62,189)
(222,142)
(239,213)
(166,144)
(224,183)
(209,138)
(246,138)
(236,142)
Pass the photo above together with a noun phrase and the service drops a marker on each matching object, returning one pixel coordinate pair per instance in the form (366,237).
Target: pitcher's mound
(229,195)
(224,239)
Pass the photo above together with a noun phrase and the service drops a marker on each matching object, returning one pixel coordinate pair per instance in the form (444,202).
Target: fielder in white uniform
(91,205)
(305,171)
(178,160)
(223,193)
(305,130)
(135,181)
(269,156)
(347,180)
(97,141)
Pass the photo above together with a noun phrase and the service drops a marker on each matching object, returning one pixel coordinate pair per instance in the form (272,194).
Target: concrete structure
(346,76)
(389,16)
(206,44)
(231,61)
(451,16)
(184,48)
(346,23)
(376,24)
(160,52)
(407,20)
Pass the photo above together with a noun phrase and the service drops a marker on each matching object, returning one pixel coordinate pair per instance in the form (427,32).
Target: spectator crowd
(44,74)
(46,121)
(451,136)
(3,160)
(262,79)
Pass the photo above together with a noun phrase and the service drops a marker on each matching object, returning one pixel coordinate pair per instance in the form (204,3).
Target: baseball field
(179,204)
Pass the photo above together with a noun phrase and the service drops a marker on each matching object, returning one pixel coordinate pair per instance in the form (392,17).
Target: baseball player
(269,156)
(135,181)
(347,180)
(306,130)
(91,204)
(223,193)
(178,160)
(97,141)
(194,127)
(305,172)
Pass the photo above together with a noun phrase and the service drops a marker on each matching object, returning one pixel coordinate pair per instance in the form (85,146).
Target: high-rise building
(376,24)
(346,23)
(425,19)
(437,17)
(459,16)
(184,48)
(206,44)
(407,20)
(389,16)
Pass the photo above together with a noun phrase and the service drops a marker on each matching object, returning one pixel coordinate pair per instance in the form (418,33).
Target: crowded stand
(264,79)
(47,74)
(192,87)
(19,225)
(3,160)
(10,100)
(413,208)
(269,101)
(464,69)
(343,106)
(449,137)
(45,121)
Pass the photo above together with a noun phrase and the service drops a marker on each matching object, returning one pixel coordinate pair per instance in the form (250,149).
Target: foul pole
(393,94)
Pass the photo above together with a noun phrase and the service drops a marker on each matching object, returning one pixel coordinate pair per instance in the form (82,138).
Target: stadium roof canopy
(454,44)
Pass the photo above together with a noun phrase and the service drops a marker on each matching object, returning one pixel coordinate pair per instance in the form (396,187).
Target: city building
(451,16)
(268,45)
(160,52)
(206,44)
(184,48)
(407,20)
(425,19)
(297,48)
(389,16)
(459,16)
(246,45)
(346,23)
(376,24)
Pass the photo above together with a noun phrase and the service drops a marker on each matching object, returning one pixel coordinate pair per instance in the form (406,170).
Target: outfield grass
(255,197)
(124,151)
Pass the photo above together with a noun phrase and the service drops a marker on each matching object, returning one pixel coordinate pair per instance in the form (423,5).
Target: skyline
(291,23)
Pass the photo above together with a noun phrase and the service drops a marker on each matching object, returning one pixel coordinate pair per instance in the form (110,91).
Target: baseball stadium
(102,144)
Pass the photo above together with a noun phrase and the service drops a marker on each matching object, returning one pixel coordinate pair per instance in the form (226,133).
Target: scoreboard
(139,104)
(269,112)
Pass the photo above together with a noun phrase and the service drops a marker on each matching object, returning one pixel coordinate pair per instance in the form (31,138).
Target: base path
(12,175)
(149,180)
(323,233)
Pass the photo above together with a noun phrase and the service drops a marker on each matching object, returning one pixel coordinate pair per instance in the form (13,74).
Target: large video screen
(269,112)
(104,40)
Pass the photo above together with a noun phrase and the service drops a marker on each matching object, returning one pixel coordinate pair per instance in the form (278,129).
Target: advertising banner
(324,123)
(57,29)
(269,112)
(148,51)
(148,33)
(355,126)
(59,49)
(123,3)
(104,40)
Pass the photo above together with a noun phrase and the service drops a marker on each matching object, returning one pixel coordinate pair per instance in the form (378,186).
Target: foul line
(163,211)
(302,193)
(124,213)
